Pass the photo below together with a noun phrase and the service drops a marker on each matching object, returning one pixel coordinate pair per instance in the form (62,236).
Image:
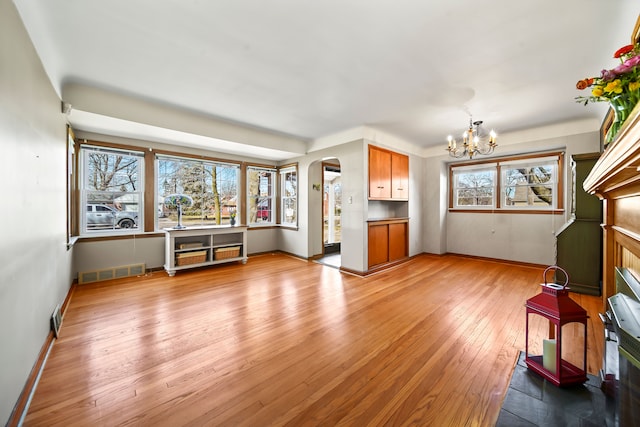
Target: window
(213,187)
(72,202)
(529,184)
(289,196)
(112,190)
(474,187)
(519,184)
(261,195)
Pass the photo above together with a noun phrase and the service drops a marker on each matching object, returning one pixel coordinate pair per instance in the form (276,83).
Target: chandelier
(475,140)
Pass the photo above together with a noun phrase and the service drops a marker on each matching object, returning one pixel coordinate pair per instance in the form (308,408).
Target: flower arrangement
(620,86)
(623,79)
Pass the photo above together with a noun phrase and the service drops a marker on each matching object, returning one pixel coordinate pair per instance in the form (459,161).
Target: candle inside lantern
(549,355)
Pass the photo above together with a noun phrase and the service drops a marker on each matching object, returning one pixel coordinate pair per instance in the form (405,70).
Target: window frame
(480,168)
(282,172)
(73,228)
(529,163)
(205,161)
(499,202)
(148,208)
(82,165)
(272,197)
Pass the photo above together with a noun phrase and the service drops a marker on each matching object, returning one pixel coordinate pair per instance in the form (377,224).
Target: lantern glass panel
(539,330)
(573,342)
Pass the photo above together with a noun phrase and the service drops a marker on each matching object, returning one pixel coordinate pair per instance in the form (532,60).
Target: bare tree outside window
(212,186)
(529,186)
(111,190)
(474,188)
(520,184)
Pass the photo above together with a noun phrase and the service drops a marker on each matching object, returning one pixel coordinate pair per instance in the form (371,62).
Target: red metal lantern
(558,362)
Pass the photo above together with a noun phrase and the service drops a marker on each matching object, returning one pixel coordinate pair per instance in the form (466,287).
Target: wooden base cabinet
(201,246)
(388,241)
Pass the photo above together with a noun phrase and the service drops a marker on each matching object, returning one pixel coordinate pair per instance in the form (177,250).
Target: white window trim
(556,159)
(156,189)
(82,205)
(539,161)
(282,172)
(475,168)
(272,196)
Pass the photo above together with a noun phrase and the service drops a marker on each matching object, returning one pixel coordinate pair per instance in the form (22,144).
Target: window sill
(510,211)
(264,227)
(104,237)
(72,241)
(289,227)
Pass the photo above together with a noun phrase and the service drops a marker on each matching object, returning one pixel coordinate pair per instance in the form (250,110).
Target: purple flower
(627,65)
(608,75)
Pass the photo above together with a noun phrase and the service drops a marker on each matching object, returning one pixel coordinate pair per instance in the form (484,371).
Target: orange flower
(584,83)
(623,50)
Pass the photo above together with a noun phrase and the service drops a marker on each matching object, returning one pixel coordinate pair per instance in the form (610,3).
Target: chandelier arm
(457,153)
(486,149)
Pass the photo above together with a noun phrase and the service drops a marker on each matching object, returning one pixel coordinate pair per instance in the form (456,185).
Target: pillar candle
(549,355)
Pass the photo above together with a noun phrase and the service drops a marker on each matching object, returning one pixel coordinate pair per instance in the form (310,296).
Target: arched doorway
(331,212)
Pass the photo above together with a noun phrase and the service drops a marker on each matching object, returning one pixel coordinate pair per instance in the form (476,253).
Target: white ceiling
(414,69)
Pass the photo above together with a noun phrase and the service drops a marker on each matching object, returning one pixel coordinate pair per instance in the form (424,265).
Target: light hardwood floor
(282,341)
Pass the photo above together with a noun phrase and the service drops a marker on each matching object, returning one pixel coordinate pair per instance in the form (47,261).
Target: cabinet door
(399,176)
(398,241)
(378,244)
(379,173)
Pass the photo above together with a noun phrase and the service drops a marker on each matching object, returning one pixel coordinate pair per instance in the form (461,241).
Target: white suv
(103,216)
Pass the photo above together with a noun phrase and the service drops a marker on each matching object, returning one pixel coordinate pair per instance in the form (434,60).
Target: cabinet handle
(380,186)
(400,189)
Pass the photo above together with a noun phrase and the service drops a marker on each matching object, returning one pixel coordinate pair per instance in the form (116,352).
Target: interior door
(331,208)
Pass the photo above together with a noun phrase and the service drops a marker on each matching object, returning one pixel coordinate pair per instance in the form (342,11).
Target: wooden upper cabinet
(388,175)
(379,173)
(399,176)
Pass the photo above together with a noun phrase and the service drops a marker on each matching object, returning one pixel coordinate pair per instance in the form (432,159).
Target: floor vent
(111,273)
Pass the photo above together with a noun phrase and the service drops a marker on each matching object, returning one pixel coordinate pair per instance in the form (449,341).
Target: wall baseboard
(22,405)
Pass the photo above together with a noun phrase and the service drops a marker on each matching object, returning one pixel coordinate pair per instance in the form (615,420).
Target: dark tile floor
(532,401)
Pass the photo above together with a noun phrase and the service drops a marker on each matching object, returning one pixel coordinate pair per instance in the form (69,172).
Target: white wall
(260,240)
(96,255)
(306,241)
(514,237)
(35,273)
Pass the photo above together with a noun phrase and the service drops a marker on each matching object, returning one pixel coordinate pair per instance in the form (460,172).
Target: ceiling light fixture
(475,140)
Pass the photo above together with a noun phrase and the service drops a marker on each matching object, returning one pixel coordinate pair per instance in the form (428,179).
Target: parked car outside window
(103,216)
